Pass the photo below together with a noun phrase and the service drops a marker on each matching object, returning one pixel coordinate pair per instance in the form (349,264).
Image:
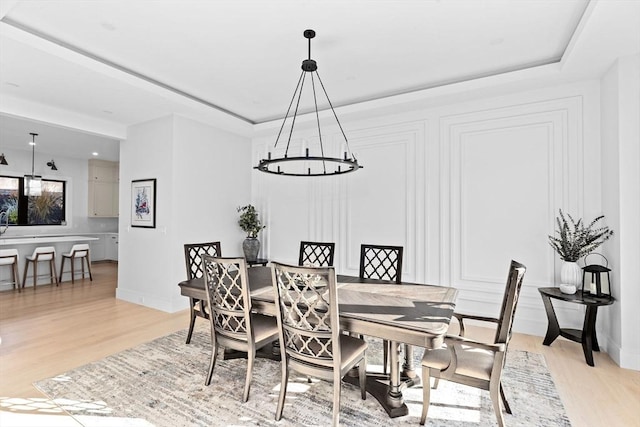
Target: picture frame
(143,203)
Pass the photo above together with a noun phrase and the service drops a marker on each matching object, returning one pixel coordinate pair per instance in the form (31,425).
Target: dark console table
(586,336)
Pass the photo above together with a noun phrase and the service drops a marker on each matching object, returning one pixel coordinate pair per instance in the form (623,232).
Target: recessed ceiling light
(94,153)
(107,112)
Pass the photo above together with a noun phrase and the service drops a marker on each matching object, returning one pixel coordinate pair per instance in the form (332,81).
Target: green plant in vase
(250,223)
(573,240)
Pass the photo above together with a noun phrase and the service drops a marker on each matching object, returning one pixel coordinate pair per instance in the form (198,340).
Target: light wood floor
(54,329)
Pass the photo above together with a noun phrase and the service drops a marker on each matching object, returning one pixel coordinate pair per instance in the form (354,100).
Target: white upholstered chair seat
(471,362)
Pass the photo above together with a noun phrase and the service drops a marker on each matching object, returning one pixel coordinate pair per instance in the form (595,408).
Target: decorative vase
(251,247)
(571,274)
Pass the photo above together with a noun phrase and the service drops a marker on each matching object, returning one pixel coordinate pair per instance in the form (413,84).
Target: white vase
(571,274)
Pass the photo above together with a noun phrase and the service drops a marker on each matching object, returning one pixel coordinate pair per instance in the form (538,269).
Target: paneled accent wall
(464,188)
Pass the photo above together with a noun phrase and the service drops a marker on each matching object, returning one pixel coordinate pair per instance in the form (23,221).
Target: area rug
(161,384)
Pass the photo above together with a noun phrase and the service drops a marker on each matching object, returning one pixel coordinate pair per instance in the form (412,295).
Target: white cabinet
(111,246)
(97,248)
(103,188)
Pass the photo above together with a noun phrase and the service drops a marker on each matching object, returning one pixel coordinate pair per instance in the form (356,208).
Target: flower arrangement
(249,221)
(572,240)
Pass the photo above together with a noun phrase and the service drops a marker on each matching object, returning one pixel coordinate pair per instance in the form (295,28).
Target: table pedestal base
(378,387)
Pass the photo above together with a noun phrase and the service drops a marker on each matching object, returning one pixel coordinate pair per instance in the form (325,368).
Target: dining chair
(381,262)
(193,253)
(317,254)
(40,254)
(310,339)
(9,258)
(475,363)
(384,263)
(77,252)
(233,325)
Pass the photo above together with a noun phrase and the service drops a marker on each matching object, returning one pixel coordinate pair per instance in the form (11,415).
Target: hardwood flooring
(54,329)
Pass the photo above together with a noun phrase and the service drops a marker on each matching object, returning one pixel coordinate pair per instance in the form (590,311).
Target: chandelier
(308,163)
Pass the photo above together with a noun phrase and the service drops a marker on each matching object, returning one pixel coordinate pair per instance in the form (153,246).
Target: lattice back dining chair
(310,339)
(384,263)
(381,262)
(233,325)
(193,253)
(474,363)
(316,254)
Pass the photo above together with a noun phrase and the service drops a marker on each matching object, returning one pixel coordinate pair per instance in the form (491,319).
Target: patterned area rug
(161,384)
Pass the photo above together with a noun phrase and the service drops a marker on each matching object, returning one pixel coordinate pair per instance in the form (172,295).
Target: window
(46,209)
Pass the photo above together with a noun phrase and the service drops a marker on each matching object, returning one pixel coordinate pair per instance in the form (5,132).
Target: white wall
(621,197)
(202,175)
(464,187)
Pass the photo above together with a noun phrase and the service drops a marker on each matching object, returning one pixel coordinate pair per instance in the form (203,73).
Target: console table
(586,336)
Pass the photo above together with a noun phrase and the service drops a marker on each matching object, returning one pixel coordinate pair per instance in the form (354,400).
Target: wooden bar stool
(81,252)
(10,257)
(43,253)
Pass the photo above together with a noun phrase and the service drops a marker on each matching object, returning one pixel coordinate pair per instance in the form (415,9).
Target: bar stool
(81,252)
(43,253)
(10,257)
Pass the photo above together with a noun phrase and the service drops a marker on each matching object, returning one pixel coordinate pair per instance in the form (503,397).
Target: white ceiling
(104,65)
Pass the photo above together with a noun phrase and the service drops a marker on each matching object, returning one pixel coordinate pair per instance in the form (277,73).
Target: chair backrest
(307,311)
(316,254)
(381,262)
(44,253)
(228,296)
(509,302)
(80,250)
(193,253)
(8,256)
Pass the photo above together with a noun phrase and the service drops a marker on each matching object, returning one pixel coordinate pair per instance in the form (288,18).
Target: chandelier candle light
(308,164)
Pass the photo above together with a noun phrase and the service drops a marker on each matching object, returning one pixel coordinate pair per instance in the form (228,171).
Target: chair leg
(362,377)
(214,355)
(385,355)
(247,382)
(283,387)
(426,394)
(192,321)
(494,392)
(35,274)
(16,276)
(53,272)
(507,408)
(73,270)
(62,268)
(337,386)
(24,275)
(89,267)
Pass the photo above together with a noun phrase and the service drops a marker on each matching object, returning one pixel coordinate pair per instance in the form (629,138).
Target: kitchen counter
(40,239)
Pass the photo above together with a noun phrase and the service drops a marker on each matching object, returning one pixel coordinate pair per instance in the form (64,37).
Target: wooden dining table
(407,313)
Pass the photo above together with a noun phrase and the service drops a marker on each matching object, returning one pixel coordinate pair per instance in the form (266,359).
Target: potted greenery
(573,240)
(250,224)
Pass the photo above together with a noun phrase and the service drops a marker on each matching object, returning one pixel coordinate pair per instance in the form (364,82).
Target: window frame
(23,203)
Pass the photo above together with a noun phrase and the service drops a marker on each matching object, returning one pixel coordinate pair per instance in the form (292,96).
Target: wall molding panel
(463,187)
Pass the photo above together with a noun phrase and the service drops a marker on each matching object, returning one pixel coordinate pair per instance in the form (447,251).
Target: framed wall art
(143,203)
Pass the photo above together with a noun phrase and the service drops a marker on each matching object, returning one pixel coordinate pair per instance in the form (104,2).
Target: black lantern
(595,278)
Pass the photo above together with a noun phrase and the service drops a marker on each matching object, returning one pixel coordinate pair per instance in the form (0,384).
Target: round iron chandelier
(307,163)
